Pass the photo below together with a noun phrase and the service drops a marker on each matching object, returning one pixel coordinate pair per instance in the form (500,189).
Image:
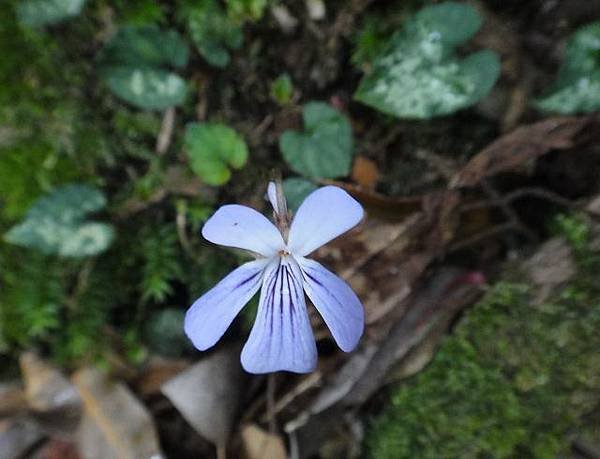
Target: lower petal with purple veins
(281,338)
(210,316)
(339,306)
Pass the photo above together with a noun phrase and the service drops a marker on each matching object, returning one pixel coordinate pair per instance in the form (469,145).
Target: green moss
(513,380)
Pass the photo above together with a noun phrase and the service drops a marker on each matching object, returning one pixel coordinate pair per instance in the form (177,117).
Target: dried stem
(272,419)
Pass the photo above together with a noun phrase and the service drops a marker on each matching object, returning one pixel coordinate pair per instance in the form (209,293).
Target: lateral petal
(244,228)
(211,314)
(324,215)
(281,338)
(337,303)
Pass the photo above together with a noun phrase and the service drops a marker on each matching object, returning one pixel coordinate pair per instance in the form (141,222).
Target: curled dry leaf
(521,145)
(208,394)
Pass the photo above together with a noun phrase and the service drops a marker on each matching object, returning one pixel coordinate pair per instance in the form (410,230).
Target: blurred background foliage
(115,148)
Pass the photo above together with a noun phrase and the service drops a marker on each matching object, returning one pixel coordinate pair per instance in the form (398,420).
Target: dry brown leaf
(115,425)
(365,172)
(156,373)
(12,399)
(260,444)
(521,145)
(46,387)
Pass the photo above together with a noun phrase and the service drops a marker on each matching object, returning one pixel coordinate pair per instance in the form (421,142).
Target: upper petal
(324,215)
(244,228)
(281,338)
(337,303)
(211,314)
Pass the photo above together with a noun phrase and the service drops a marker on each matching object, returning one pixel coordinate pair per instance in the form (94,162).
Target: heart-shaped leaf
(147,88)
(55,223)
(296,189)
(145,46)
(212,149)
(135,66)
(418,75)
(577,86)
(324,149)
(37,13)
(213,32)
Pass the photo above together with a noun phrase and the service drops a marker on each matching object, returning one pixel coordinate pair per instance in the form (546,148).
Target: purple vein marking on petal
(281,332)
(290,282)
(270,296)
(320,284)
(244,282)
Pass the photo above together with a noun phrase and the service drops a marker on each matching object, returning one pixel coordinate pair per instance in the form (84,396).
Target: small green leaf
(419,76)
(37,13)
(147,88)
(242,10)
(282,89)
(577,86)
(134,65)
(212,149)
(324,150)
(55,224)
(213,32)
(296,189)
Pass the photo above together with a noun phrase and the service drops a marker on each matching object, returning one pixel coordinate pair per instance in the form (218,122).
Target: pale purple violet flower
(281,338)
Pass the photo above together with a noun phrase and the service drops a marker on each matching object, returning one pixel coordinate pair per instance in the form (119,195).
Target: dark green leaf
(324,149)
(296,189)
(213,32)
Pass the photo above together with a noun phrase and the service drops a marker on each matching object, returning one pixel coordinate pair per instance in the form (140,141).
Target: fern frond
(162,262)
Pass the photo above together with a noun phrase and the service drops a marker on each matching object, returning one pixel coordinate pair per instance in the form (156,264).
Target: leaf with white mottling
(37,13)
(577,87)
(55,224)
(135,66)
(419,76)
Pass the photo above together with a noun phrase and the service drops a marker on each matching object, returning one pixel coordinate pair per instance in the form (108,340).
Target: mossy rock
(515,379)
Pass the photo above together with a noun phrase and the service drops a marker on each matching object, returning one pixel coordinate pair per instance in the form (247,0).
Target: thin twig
(163,141)
(477,238)
(508,211)
(540,193)
(306,384)
(181,224)
(83,278)
(271,417)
